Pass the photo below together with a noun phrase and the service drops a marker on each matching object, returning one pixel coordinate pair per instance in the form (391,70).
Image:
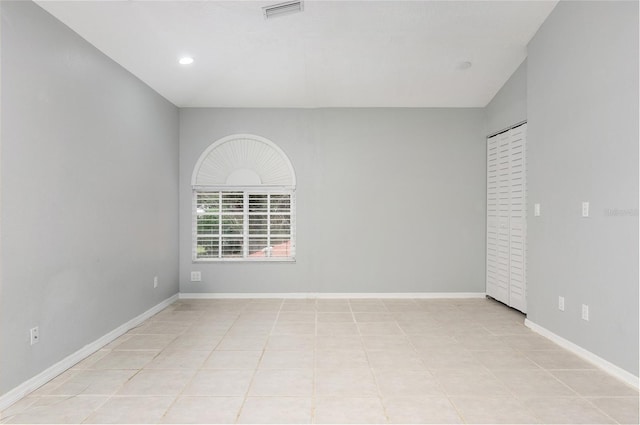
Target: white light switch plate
(536,210)
(585,209)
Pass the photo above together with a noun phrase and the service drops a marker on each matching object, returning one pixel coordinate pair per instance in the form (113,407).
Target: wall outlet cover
(585,209)
(34,334)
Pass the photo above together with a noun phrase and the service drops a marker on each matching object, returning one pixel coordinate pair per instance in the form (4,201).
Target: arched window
(243,202)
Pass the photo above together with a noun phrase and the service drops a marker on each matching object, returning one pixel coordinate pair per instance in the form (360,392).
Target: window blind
(243,224)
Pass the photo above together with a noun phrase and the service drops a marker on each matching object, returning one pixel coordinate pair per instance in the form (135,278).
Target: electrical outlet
(585,312)
(155,282)
(196,276)
(561,303)
(585,209)
(536,210)
(35,335)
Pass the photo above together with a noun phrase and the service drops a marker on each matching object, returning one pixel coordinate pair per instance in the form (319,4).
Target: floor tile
(298,305)
(405,383)
(53,384)
(57,410)
(339,342)
(125,360)
(178,359)
(624,410)
(91,360)
(282,382)
(379,328)
(331,360)
(287,360)
(335,317)
(242,343)
(482,342)
(291,342)
(167,327)
(94,382)
(336,359)
(435,342)
(531,383)
(386,342)
(470,382)
(401,305)
(367,306)
(149,382)
(194,342)
(337,328)
(494,410)
(529,341)
(328,305)
(233,360)
(21,406)
(131,410)
(594,383)
(559,410)
(220,383)
(276,410)
(504,359)
(203,410)
(370,317)
(421,410)
(557,359)
(500,328)
(395,360)
(450,359)
(297,317)
(294,328)
(345,382)
(333,410)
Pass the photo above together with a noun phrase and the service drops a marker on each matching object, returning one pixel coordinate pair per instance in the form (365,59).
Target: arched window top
(243,160)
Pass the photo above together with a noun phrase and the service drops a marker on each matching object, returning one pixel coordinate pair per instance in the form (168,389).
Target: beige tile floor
(331,361)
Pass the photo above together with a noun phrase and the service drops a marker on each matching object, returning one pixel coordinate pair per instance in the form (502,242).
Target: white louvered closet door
(517,219)
(492,216)
(506,217)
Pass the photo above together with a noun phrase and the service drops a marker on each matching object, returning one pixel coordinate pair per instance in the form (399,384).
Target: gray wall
(389,200)
(583,146)
(89,178)
(509,105)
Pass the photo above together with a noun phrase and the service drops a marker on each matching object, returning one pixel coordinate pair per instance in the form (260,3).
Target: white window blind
(249,224)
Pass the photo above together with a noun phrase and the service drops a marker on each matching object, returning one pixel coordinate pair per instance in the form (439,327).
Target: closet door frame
(506,225)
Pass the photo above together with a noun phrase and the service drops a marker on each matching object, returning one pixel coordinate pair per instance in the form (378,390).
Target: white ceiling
(334,54)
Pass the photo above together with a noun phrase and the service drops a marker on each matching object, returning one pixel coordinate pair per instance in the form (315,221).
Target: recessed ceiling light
(187,60)
(464,65)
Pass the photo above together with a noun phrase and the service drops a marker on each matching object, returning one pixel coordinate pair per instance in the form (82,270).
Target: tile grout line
(315,364)
(197,370)
(255,372)
(366,353)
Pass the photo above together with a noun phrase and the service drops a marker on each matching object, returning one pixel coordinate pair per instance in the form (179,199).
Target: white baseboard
(324,295)
(48,374)
(608,367)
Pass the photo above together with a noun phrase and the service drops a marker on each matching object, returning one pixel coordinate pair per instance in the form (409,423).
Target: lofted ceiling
(333,54)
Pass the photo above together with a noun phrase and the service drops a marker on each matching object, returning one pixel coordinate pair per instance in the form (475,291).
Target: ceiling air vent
(281,9)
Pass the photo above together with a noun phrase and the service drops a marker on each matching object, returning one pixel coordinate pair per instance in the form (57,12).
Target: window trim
(246,190)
